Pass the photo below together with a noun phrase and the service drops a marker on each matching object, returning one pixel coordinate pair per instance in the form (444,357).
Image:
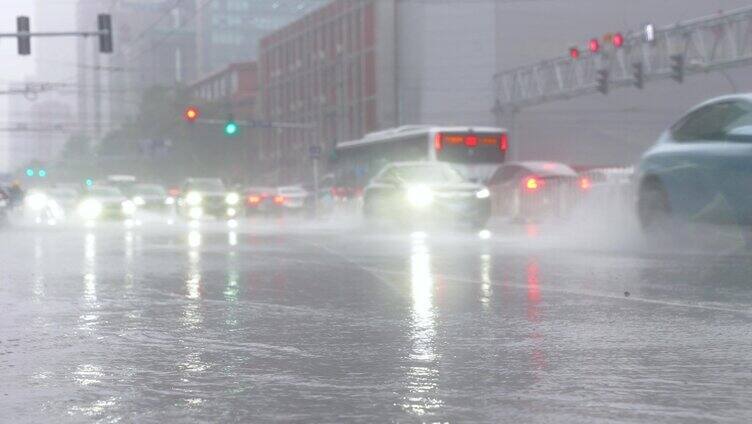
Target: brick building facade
(353,67)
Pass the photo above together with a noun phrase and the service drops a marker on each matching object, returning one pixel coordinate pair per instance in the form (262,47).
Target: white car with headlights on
(426,192)
(42,207)
(201,197)
(152,197)
(103,203)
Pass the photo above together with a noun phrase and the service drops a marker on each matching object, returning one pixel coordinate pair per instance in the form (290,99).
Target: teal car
(700,170)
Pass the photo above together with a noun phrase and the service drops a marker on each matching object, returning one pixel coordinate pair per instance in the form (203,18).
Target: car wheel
(653,208)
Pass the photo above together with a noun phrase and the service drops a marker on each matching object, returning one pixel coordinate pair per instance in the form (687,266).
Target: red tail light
(254,199)
(585,183)
(279,199)
(340,192)
(533,183)
(174,192)
(471,141)
(437,141)
(504,142)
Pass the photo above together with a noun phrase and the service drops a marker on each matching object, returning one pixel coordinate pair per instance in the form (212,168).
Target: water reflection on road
(422,373)
(211,324)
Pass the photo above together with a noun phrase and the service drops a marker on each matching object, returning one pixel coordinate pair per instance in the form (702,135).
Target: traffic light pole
(706,44)
(53,34)
(256,124)
(24,34)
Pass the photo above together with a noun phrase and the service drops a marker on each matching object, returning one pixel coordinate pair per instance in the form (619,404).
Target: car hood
(466,186)
(209,193)
(106,199)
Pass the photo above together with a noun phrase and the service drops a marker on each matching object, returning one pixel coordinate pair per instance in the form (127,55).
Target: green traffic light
(42,173)
(231,128)
(89,182)
(29,172)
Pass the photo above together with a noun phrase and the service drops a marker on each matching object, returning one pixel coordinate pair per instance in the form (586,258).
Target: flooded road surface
(281,324)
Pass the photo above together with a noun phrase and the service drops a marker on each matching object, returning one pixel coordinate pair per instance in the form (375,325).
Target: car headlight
(232,198)
(128,207)
(169,201)
(36,201)
(483,193)
(419,196)
(139,201)
(90,209)
(193,198)
(195,212)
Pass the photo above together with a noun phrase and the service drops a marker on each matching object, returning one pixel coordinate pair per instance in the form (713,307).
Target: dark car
(332,196)
(259,200)
(207,197)
(426,192)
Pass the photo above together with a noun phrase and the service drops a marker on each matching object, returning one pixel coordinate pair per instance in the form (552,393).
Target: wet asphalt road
(276,322)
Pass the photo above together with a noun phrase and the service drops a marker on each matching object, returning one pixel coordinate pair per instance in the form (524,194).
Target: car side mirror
(741,134)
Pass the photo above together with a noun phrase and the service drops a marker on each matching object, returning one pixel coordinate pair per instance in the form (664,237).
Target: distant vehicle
(410,192)
(290,198)
(700,170)
(332,196)
(42,208)
(533,190)
(207,197)
(123,182)
(105,202)
(4,205)
(151,197)
(259,200)
(475,152)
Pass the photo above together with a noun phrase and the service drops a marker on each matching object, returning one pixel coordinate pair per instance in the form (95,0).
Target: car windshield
(148,190)
(104,192)
(208,185)
(428,174)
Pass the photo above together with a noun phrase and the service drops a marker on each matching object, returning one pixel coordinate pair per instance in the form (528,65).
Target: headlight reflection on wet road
(192,316)
(485,280)
(422,374)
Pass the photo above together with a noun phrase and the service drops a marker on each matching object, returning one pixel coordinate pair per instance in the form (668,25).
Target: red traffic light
(191,113)
(618,40)
(574,53)
(593,45)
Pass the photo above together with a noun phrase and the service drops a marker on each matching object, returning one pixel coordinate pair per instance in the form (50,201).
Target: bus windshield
(470,148)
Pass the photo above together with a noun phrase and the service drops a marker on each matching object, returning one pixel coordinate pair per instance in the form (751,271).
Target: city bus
(474,151)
